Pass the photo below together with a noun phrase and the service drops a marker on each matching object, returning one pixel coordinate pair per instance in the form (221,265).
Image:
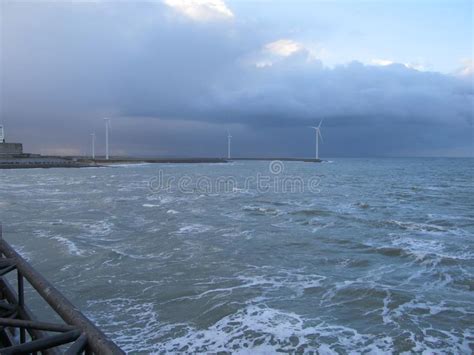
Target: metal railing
(21,333)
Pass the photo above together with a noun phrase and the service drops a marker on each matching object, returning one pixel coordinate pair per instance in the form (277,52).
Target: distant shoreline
(46,162)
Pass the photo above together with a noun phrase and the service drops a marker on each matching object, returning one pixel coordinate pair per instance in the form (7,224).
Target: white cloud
(272,53)
(385,62)
(201,10)
(415,66)
(467,68)
(284,47)
(382,62)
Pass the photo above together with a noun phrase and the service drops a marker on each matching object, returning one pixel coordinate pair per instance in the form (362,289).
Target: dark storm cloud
(174,86)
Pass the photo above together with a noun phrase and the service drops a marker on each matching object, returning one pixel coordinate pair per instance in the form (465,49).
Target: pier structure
(11,148)
(304,160)
(22,333)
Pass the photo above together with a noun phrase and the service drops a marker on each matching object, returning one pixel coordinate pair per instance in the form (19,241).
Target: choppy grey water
(380,259)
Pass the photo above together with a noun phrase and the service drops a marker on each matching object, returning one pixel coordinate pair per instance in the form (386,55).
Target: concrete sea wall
(11,148)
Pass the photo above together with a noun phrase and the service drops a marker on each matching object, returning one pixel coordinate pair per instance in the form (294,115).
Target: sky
(388,78)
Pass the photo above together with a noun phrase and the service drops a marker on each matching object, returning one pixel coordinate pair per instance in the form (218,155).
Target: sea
(257,257)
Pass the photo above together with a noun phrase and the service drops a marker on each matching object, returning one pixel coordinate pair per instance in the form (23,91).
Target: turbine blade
(320,122)
(320,135)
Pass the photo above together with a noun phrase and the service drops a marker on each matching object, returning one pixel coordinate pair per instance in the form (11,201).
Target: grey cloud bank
(174,86)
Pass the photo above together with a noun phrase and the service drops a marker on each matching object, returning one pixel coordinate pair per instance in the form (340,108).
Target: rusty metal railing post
(21,302)
(96,341)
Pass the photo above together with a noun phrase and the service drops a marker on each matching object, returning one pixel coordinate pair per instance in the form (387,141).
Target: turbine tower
(107,124)
(317,131)
(229,139)
(93,145)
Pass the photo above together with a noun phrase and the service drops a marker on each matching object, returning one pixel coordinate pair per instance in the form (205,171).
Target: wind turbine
(229,139)
(107,125)
(317,131)
(93,145)
(2,134)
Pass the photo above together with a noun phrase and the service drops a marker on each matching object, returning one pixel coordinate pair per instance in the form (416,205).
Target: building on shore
(9,148)
(13,157)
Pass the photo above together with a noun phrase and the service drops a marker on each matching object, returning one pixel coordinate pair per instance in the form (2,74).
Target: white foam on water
(20,249)
(284,224)
(167,199)
(423,227)
(11,185)
(172,212)
(129,198)
(231,233)
(317,224)
(433,340)
(449,217)
(422,309)
(71,247)
(262,329)
(294,282)
(236,216)
(149,205)
(249,328)
(41,233)
(134,324)
(101,228)
(138,256)
(154,229)
(420,248)
(262,210)
(297,282)
(195,228)
(443,342)
(345,208)
(89,228)
(385,309)
(370,280)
